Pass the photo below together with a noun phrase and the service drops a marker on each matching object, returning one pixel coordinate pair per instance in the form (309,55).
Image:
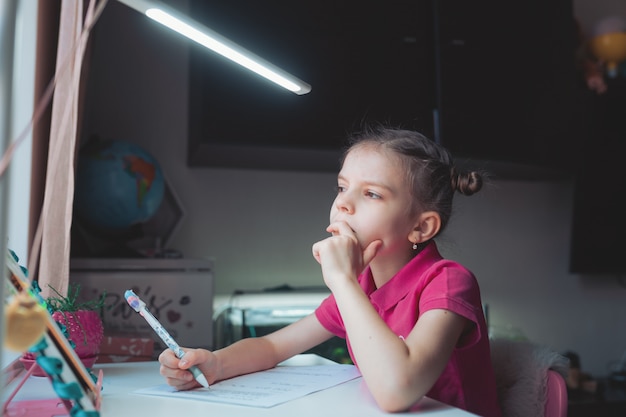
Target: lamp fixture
(210,39)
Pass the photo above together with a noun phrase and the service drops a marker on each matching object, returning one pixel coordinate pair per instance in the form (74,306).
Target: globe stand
(90,242)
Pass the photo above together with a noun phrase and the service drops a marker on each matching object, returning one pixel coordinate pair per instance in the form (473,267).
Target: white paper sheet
(266,388)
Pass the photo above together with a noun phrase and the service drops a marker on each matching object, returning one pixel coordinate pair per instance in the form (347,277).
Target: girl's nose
(343,203)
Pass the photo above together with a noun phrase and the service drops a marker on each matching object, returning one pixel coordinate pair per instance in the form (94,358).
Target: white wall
(259,226)
(18,97)
(23,105)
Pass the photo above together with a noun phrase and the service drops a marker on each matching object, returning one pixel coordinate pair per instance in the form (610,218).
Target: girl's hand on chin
(370,250)
(341,256)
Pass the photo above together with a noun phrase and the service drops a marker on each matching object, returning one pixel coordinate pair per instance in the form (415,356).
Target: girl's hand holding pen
(176,371)
(140,307)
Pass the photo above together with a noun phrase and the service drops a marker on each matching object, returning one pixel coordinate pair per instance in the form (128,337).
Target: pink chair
(556,395)
(529,379)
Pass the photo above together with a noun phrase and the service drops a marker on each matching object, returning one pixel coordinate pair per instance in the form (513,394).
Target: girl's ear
(427,227)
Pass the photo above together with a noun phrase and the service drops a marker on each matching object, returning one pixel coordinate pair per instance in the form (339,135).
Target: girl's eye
(373,195)
(340,189)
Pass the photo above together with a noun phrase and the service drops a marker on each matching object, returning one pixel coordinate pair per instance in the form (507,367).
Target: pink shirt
(430,282)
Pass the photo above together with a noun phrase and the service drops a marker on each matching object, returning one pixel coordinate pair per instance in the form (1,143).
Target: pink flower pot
(85,329)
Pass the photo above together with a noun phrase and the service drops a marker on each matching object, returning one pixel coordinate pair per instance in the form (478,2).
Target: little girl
(413,321)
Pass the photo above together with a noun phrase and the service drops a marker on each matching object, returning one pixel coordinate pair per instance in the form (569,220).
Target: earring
(414,246)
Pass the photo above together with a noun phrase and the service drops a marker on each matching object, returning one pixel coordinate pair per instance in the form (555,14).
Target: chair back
(556,395)
(529,379)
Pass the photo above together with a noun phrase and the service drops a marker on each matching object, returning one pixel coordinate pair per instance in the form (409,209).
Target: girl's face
(374,199)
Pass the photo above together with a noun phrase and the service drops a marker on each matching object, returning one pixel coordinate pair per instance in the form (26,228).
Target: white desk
(121,380)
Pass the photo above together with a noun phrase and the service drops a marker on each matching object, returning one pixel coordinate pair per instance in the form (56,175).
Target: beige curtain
(51,239)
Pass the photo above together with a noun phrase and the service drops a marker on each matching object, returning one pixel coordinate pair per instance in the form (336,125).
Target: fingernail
(182,362)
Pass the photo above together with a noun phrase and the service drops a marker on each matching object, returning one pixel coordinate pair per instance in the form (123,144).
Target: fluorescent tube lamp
(217,43)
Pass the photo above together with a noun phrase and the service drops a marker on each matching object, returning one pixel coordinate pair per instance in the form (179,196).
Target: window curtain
(63,27)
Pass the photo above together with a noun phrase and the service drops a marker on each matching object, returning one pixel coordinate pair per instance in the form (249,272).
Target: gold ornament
(25,322)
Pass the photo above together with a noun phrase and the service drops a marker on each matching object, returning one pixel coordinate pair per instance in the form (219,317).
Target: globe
(118,185)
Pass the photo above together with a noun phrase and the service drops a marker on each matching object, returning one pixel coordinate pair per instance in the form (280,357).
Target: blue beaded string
(69,391)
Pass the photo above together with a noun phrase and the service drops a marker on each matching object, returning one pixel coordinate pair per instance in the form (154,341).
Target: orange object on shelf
(610,48)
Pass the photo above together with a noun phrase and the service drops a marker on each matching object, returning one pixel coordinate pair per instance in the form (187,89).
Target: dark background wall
(259,225)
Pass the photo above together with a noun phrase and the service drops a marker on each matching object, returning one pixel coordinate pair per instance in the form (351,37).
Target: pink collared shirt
(430,282)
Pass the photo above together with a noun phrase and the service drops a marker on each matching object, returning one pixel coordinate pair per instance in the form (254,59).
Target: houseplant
(81,322)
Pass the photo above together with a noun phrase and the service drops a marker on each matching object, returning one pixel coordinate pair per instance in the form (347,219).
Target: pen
(140,307)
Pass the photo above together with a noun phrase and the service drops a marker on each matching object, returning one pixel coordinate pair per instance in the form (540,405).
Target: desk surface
(121,380)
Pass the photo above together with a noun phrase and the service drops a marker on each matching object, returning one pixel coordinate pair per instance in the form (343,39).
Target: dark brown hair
(431,173)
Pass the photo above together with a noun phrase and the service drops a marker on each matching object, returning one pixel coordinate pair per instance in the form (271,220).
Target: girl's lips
(343,221)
